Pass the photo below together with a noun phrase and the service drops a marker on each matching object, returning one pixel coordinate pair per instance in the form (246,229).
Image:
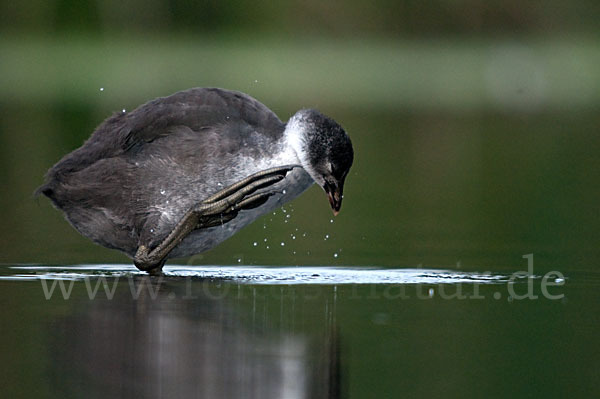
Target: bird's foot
(145,260)
(216,210)
(242,195)
(274,173)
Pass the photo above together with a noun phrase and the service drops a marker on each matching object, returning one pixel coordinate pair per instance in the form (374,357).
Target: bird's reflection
(167,343)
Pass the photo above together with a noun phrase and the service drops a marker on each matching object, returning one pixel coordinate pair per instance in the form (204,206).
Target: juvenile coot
(180,174)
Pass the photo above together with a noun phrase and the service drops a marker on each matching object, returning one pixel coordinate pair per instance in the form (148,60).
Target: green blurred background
(476,132)
(475,123)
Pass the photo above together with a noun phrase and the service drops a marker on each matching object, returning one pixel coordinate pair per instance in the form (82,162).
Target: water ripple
(263,274)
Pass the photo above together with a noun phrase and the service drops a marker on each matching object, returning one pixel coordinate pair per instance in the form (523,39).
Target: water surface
(296,332)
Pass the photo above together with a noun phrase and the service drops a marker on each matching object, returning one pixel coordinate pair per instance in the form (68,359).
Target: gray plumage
(140,172)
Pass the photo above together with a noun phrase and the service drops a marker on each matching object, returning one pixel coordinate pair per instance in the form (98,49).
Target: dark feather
(103,186)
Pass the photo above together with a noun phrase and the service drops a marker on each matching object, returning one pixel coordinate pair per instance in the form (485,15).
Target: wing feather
(199,109)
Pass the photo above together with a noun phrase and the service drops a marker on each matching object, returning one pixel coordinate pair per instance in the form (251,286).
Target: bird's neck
(295,139)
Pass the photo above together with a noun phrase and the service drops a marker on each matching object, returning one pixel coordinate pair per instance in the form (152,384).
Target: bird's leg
(215,210)
(201,216)
(279,171)
(250,202)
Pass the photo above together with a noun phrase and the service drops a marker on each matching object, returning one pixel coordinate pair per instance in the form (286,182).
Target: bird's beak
(334,193)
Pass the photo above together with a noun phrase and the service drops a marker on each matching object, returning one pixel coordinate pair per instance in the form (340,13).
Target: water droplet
(239,260)
(255,243)
(335,255)
(303,234)
(220,184)
(151,230)
(287,216)
(282,243)
(124,110)
(255,80)
(431,291)
(330,220)
(265,240)
(267,247)
(559,280)
(293,237)
(326,236)
(283,191)
(294,252)
(162,192)
(274,213)
(167,201)
(102,89)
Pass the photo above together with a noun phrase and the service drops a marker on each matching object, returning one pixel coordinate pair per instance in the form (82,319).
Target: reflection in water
(264,332)
(168,343)
(221,337)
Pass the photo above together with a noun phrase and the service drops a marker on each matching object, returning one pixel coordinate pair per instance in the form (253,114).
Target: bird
(180,174)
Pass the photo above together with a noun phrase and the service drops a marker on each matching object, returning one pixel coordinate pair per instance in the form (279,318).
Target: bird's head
(325,151)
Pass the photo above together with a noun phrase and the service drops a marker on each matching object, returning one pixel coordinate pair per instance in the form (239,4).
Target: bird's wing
(198,109)
(223,112)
